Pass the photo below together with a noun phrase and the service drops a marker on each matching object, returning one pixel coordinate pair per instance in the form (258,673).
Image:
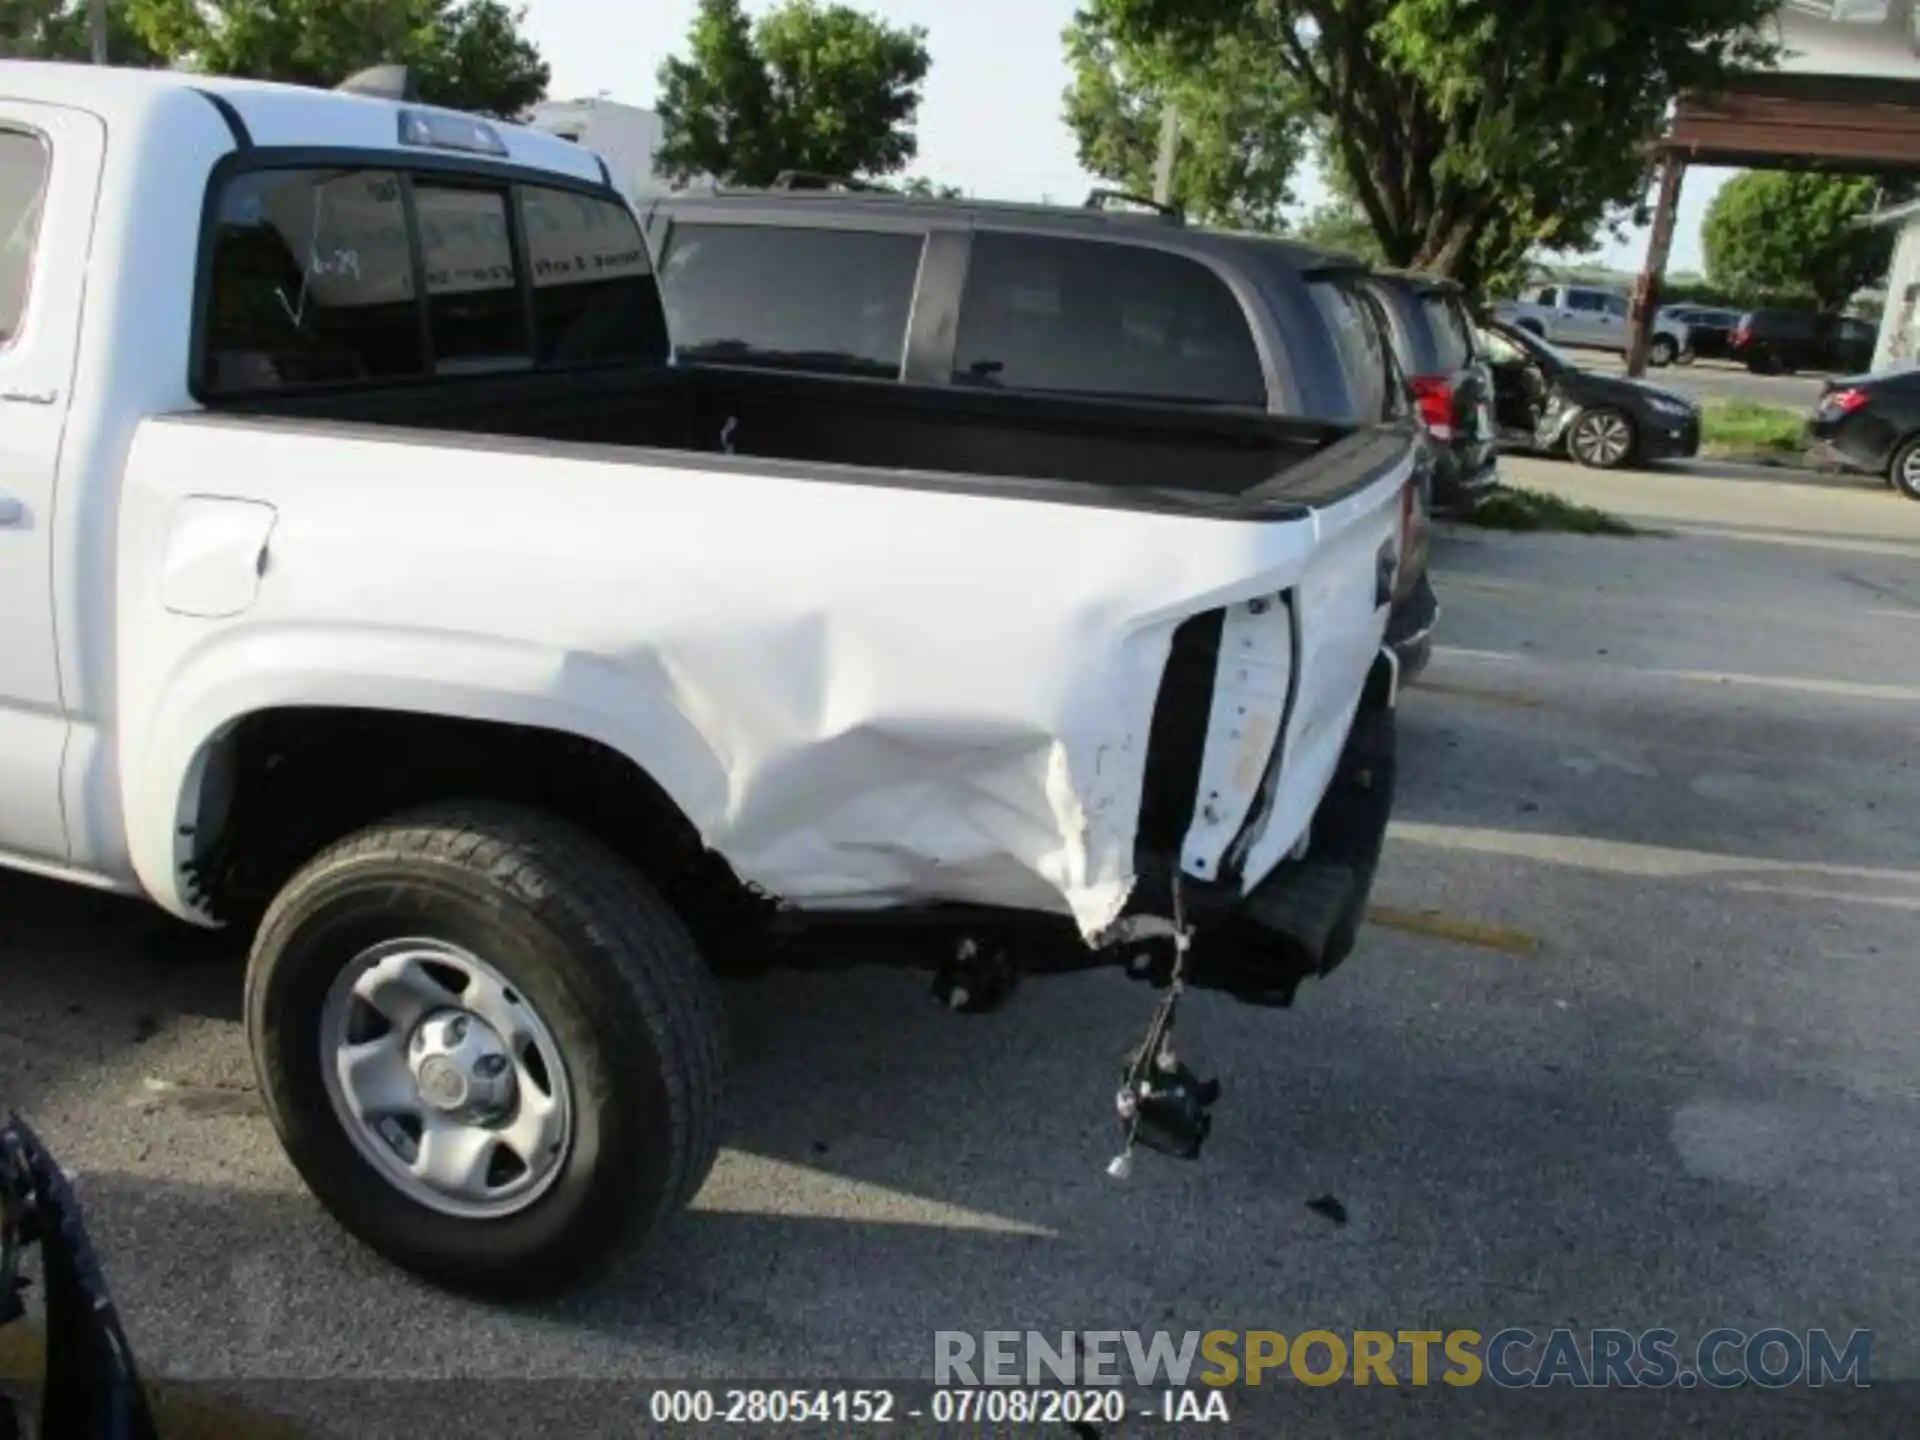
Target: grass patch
(1512,507)
(1741,427)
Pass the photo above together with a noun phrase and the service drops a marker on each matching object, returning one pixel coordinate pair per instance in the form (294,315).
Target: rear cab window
(364,274)
(474,312)
(24,163)
(825,301)
(1064,316)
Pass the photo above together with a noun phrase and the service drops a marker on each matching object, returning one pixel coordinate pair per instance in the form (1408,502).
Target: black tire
(1662,352)
(610,970)
(1904,473)
(1583,440)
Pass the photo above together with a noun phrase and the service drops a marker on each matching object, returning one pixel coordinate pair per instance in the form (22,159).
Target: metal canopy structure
(1853,124)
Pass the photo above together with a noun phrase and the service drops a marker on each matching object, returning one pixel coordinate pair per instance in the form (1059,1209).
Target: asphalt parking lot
(1634,1041)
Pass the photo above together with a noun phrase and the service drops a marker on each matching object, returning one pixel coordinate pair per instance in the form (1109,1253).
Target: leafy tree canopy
(1770,230)
(1242,127)
(1471,131)
(1339,226)
(922,187)
(468,54)
(820,88)
(57,30)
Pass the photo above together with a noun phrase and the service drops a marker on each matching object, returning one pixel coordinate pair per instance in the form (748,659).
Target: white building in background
(1900,321)
(625,136)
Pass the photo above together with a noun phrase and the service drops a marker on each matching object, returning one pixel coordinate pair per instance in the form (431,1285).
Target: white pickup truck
(1590,318)
(373,584)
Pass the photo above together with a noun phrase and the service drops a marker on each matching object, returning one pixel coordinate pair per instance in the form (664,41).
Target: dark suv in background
(1779,342)
(1114,301)
(1452,384)
(1709,328)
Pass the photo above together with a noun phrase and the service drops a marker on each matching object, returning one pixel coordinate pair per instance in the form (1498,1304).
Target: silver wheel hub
(1603,438)
(445,1079)
(462,1067)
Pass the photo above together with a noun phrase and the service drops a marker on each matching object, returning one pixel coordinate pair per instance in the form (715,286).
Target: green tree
(468,54)
(923,188)
(1242,128)
(1786,232)
(57,30)
(1339,226)
(821,88)
(1470,132)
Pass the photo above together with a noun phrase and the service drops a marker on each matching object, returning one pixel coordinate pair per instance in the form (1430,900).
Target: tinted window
(473,299)
(1452,338)
(594,295)
(1358,338)
(23,188)
(1784,322)
(834,301)
(1089,318)
(1586,300)
(1614,305)
(312,281)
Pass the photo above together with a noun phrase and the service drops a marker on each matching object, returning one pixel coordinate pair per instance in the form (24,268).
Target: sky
(990,115)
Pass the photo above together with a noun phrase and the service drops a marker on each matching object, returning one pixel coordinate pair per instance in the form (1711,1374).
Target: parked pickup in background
(375,588)
(1592,319)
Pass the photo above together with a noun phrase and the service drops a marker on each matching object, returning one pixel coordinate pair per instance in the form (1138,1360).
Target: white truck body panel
(848,735)
(37,382)
(862,690)
(117,288)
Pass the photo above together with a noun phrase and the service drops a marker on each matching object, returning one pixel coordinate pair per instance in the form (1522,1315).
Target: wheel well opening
(281,785)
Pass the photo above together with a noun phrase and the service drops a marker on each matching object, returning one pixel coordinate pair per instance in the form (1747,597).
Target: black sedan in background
(1709,329)
(1871,424)
(1544,401)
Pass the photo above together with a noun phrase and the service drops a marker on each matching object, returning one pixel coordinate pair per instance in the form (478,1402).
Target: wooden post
(1163,164)
(1646,291)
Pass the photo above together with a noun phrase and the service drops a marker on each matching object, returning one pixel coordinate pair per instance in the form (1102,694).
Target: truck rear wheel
(488,1046)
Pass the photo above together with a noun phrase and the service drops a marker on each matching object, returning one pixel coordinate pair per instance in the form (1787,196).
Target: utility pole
(1646,293)
(1163,167)
(97,29)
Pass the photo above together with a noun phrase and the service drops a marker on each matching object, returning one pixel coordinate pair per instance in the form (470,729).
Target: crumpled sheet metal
(862,695)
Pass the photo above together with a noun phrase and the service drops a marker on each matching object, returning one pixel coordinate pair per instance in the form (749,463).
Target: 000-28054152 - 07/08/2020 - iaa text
(939,1405)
